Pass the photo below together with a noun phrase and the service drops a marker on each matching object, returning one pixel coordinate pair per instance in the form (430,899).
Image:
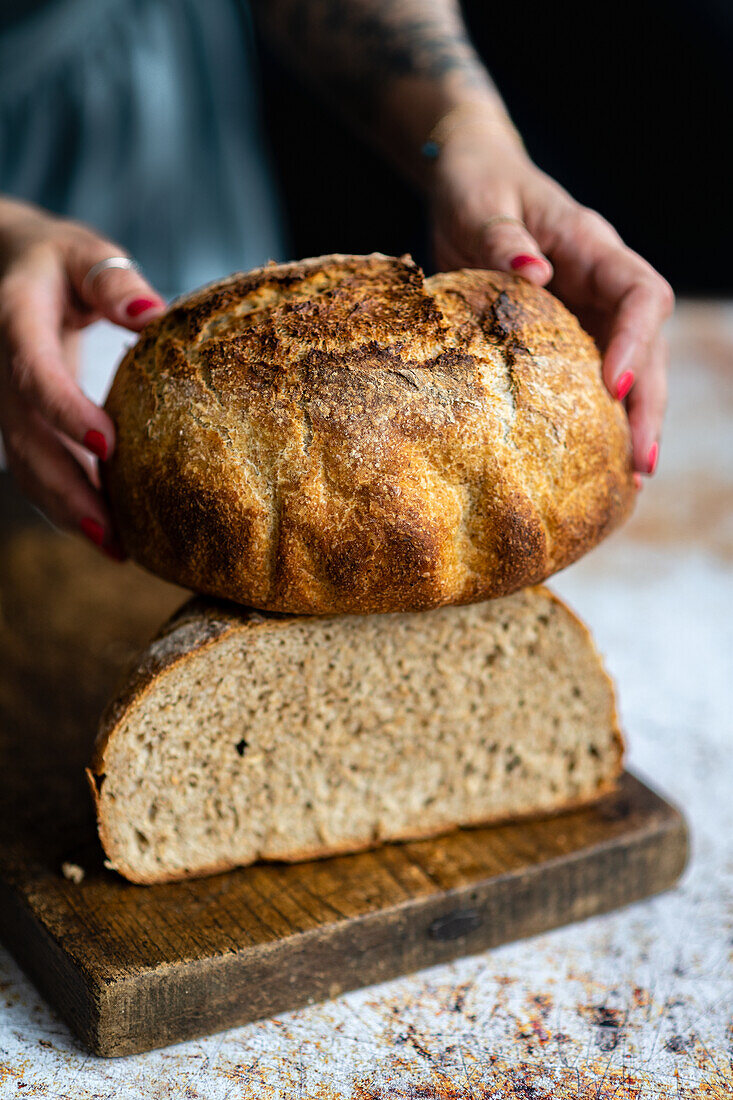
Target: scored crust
(344,435)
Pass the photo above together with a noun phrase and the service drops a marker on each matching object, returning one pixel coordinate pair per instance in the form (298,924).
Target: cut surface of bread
(243,736)
(343,435)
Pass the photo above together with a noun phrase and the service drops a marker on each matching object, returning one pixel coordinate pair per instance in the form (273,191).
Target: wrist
(417,109)
(471,118)
(470,130)
(469,145)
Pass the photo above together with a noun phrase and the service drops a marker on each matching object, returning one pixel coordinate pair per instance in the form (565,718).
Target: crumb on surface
(73,872)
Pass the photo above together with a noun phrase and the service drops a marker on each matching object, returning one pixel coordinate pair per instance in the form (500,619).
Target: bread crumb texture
(244,736)
(344,435)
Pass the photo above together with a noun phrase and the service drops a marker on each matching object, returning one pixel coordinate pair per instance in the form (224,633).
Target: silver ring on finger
(501,219)
(87,283)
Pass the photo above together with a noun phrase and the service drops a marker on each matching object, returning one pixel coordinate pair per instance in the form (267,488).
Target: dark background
(631,111)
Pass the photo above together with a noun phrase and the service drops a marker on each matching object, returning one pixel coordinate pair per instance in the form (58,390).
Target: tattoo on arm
(358,49)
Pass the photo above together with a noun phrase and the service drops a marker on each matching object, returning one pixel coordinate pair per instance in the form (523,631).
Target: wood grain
(131,967)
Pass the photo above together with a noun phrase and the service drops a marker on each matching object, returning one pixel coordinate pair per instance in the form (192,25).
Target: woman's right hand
(493,208)
(53,434)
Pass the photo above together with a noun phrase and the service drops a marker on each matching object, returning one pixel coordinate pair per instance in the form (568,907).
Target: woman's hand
(53,434)
(482,171)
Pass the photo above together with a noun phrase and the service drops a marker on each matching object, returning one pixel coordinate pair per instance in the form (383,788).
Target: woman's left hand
(618,297)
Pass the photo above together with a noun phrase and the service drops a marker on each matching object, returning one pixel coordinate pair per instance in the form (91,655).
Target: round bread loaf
(344,435)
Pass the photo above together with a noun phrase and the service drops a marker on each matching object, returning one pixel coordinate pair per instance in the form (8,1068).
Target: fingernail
(523,261)
(652,457)
(96,443)
(93,530)
(139,305)
(624,384)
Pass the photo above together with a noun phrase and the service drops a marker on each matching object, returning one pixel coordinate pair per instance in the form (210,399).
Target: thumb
(505,244)
(119,293)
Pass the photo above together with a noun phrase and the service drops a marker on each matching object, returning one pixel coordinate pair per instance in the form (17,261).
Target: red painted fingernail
(624,384)
(139,305)
(523,261)
(651,461)
(93,530)
(96,443)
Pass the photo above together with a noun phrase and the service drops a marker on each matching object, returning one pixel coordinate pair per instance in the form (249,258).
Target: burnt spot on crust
(502,321)
(315,298)
(508,308)
(365,306)
(242,364)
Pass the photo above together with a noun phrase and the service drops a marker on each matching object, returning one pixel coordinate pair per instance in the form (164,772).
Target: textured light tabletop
(638,1004)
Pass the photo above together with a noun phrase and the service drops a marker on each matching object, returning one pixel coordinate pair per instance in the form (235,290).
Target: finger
(598,273)
(642,307)
(122,295)
(70,343)
(49,475)
(577,240)
(33,367)
(509,246)
(646,404)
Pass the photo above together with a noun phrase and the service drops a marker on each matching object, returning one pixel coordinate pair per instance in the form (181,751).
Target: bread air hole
(241,746)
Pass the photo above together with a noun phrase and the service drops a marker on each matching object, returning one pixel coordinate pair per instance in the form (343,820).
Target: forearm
(394,67)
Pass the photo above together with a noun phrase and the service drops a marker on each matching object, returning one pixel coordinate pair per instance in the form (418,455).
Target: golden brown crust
(343,435)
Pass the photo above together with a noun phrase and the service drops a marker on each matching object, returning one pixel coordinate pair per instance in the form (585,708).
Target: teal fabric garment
(140,117)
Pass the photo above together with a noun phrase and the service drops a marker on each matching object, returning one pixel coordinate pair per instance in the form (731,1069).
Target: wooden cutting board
(134,967)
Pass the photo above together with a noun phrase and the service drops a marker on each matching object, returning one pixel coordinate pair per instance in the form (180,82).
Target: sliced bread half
(244,735)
